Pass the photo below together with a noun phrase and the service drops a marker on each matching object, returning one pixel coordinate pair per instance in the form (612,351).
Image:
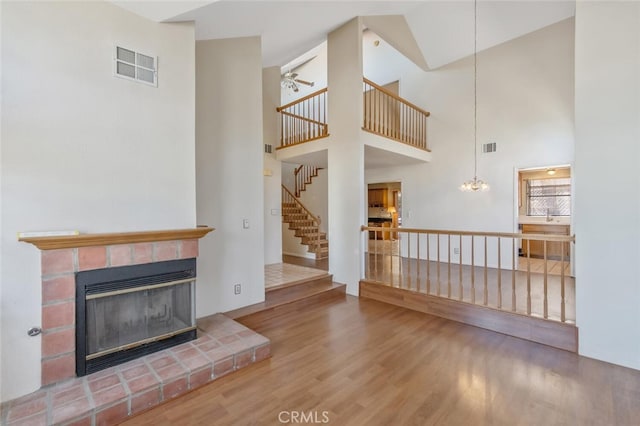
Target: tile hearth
(111,395)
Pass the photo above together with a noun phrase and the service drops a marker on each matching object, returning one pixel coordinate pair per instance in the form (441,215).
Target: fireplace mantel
(88,240)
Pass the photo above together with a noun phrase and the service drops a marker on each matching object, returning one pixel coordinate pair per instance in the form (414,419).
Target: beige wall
(230,184)
(607,199)
(82,149)
(273,168)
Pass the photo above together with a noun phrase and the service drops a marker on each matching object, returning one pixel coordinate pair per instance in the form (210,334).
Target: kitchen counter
(379,219)
(542,220)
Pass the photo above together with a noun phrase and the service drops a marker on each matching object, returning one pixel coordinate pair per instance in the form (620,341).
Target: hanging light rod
(475,184)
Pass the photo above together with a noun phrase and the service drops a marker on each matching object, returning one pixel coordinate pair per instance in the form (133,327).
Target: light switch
(245,223)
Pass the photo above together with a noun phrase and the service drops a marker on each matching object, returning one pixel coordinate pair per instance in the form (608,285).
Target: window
(549,196)
(136,66)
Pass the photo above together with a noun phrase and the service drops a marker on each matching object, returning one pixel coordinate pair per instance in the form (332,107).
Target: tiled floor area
(111,395)
(279,274)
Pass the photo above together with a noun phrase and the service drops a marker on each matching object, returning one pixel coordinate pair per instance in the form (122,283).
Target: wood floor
(364,362)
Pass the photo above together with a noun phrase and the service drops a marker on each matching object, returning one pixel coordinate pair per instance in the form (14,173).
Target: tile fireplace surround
(111,395)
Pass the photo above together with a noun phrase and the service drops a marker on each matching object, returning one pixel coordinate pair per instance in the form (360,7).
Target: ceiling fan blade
(305,82)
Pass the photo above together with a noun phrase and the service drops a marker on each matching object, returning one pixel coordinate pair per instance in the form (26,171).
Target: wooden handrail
(396,97)
(304,119)
(304,98)
(297,201)
(299,117)
(535,237)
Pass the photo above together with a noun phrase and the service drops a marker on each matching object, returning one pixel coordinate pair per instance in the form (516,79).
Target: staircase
(303,176)
(305,224)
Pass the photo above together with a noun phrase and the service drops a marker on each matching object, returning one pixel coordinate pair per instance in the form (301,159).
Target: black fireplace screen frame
(118,278)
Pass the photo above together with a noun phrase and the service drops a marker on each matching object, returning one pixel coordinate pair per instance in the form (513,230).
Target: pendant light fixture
(475,184)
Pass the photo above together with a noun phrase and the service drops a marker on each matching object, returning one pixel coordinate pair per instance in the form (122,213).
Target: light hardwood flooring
(369,363)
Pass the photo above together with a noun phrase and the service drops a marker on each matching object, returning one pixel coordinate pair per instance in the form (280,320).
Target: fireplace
(126,312)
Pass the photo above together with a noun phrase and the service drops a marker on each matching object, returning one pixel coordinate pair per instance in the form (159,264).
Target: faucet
(549,218)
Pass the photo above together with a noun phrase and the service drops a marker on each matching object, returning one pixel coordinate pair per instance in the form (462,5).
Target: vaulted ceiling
(431,33)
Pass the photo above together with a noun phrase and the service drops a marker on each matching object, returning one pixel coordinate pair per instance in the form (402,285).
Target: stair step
(296,218)
(293,297)
(310,234)
(314,243)
(307,231)
(321,250)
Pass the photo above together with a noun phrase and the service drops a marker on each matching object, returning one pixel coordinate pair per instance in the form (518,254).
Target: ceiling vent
(136,66)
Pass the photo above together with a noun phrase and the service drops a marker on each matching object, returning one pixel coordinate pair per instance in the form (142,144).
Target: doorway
(384,210)
(544,206)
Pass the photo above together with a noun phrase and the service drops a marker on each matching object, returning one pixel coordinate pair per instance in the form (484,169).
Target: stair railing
(288,197)
(302,177)
(304,119)
(387,114)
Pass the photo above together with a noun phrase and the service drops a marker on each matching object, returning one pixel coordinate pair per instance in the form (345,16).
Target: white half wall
(607,200)
(82,149)
(229,164)
(272,167)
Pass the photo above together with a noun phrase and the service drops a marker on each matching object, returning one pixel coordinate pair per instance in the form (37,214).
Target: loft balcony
(394,130)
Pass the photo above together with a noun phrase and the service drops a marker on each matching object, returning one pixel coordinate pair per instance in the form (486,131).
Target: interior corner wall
(82,149)
(345,155)
(607,200)
(272,167)
(315,198)
(525,105)
(229,179)
(1,238)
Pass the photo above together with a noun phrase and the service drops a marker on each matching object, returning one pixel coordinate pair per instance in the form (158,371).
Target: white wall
(607,200)
(1,233)
(288,176)
(272,167)
(84,150)
(345,155)
(525,104)
(315,198)
(230,184)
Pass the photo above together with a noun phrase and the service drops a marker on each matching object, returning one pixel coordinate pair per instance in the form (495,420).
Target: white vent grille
(136,66)
(489,147)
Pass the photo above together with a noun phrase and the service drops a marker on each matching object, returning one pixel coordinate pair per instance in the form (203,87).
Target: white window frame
(135,66)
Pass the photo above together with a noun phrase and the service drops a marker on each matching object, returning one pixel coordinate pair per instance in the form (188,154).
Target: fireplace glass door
(122,319)
(125,312)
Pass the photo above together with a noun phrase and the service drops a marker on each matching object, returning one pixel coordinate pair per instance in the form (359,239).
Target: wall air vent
(489,147)
(268,148)
(135,66)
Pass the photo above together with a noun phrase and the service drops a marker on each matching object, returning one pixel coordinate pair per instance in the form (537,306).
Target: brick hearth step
(111,395)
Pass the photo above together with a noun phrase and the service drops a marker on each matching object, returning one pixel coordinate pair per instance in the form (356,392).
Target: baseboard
(311,256)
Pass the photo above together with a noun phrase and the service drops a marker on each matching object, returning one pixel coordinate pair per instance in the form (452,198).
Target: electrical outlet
(237,289)
(456,250)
